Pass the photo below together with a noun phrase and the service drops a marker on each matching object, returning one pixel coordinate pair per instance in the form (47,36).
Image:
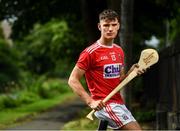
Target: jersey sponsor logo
(112,70)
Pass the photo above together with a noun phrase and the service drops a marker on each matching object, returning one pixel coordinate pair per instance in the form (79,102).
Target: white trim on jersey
(92,48)
(117,45)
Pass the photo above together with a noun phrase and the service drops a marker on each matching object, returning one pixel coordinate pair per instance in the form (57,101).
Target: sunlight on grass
(81,124)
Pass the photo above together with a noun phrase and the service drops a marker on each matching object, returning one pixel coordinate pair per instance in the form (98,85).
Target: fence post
(161,120)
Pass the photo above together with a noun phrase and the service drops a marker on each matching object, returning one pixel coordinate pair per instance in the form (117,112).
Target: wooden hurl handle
(147,58)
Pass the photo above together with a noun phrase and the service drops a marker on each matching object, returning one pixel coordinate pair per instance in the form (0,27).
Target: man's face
(109,28)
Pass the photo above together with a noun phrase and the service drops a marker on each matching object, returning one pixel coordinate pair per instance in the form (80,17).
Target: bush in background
(49,48)
(53,88)
(41,88)
(9,63)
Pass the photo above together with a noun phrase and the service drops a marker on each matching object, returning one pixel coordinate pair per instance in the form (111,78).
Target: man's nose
(110,27)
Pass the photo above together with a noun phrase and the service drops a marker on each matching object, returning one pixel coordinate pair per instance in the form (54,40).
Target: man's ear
(118,26)
(99,26)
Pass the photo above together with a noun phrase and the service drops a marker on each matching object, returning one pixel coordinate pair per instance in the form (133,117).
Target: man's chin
(110,37)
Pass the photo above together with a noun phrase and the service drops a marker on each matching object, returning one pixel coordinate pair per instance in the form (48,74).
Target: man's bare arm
(75,84)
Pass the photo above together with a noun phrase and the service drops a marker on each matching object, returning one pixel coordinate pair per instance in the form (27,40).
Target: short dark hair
(108,14)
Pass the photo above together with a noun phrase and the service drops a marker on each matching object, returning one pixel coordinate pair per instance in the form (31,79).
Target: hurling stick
(147,58)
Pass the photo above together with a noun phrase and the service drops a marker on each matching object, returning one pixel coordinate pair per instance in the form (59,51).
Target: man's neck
(106,42)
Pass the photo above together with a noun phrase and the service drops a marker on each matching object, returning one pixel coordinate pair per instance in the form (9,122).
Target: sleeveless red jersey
(102,65)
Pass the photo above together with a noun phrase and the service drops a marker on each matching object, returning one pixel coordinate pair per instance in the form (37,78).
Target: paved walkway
(54,119)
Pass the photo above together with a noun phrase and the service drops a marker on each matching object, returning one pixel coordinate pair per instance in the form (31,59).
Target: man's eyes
(107,25)
(114,24)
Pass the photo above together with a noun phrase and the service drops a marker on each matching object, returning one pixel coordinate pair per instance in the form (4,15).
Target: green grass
(81,124)
(11,116)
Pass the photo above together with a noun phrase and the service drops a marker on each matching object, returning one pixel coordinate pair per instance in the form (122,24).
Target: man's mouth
(110,34)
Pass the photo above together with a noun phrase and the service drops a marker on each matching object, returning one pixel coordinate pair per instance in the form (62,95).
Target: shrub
(11,101)
(9,63)
(53,88)
(44,46)
(145,116)
(26,97)
(2,102)
(17,99)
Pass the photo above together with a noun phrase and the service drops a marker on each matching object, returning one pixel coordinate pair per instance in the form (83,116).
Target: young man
(102,63)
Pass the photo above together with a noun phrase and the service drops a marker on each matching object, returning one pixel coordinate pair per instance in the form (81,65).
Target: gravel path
(53,119)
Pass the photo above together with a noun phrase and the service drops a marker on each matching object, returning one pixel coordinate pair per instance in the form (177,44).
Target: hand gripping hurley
(148,58)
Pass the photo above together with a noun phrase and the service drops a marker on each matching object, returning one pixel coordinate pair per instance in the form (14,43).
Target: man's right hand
(97,104)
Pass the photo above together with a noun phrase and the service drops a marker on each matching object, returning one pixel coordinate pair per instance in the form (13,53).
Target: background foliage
(9,63)
(47,47)
(49,35)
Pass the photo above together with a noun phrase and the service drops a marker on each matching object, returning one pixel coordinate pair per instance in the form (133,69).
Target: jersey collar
(104,45)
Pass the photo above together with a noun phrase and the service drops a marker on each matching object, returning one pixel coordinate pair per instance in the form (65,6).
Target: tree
(48,47)
(149,14)
(126,36)
(26,13)
(150,19)
(90,10)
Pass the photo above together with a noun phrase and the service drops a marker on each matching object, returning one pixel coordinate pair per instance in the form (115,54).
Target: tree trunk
(115,5)
(125,36)
(90,10)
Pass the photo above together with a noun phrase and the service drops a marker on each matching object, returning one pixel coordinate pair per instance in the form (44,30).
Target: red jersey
(102,65)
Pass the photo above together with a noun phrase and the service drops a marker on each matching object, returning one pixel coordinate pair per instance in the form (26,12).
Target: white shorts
(117,115)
